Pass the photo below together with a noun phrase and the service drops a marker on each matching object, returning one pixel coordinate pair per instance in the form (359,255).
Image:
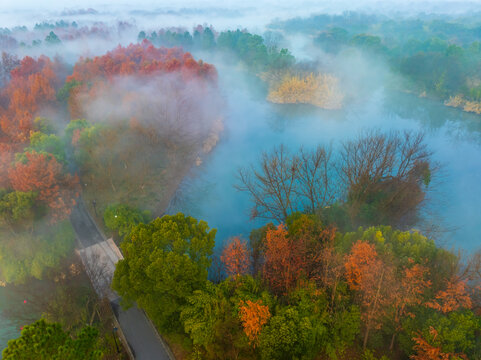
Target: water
(253,126)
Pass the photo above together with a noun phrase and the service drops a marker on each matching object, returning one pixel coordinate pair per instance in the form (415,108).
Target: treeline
(302,290)
(439,57)
(247,48)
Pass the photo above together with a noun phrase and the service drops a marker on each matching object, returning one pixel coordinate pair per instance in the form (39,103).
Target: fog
(173,140)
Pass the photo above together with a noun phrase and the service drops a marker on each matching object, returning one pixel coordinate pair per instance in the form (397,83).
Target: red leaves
(31,87)
(236,258)
(43,174)
(253,316)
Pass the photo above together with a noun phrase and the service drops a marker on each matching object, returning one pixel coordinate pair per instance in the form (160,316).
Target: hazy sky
(247,13)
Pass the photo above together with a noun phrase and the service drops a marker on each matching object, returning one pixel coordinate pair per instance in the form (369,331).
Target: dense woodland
(338,271)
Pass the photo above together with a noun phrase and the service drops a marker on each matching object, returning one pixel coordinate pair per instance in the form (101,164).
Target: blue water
(253,126)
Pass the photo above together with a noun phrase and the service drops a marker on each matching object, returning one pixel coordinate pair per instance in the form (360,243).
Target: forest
(262,199)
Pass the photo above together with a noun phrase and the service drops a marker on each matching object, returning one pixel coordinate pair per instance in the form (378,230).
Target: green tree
(287,336)
(121,218)
(17,209)
(52,39)
(47,341)
(165,261)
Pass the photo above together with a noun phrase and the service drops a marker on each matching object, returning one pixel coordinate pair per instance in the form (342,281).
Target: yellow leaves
(459,102)
(321,90)
(253,316)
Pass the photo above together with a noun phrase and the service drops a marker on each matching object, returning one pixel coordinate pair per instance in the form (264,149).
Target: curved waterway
(253,126)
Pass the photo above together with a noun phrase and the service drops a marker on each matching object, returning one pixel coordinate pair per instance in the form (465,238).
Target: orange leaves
(426,351)
(31,87)
(139,60)
(280,269)
(363,267)
(43,174)
(235,257)
(253,316)
(454,297)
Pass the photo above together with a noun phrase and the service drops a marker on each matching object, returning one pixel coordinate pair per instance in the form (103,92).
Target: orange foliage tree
(141,60)
(42,173)
(408,291)
(32,87)
(426,351)
(281,267)
(236,257)
(367,274)
(454,297)
(253,316)
(290,257)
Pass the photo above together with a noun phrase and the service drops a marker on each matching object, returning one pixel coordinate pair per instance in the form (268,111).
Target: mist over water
(253,126)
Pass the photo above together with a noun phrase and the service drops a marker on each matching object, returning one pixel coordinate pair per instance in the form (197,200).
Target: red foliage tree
(32,86)
(236,257)
(43,173)
(141,60)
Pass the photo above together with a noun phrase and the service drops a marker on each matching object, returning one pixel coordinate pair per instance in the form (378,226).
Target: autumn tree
(455,296)
(367,274)
(43,174)
(254,315)
(426,351)
(236,257)
(408,291)
(32,87)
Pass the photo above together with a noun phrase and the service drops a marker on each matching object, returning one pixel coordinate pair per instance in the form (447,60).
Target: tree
(236,257)
(454,297)
(43,174)
(254,315)
(52,39)
(287,336)
(210,321)
(121,218)
(367,274)
(47,341)
(408,291)
(164,262)
(384,176)
(17,208)
(285,183)
(426,351)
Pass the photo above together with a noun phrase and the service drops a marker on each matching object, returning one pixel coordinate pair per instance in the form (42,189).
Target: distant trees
(45,341)
(383,176)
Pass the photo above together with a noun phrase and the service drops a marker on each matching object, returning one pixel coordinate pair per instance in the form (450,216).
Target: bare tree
(273,186)
(315,174)
(386,172)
